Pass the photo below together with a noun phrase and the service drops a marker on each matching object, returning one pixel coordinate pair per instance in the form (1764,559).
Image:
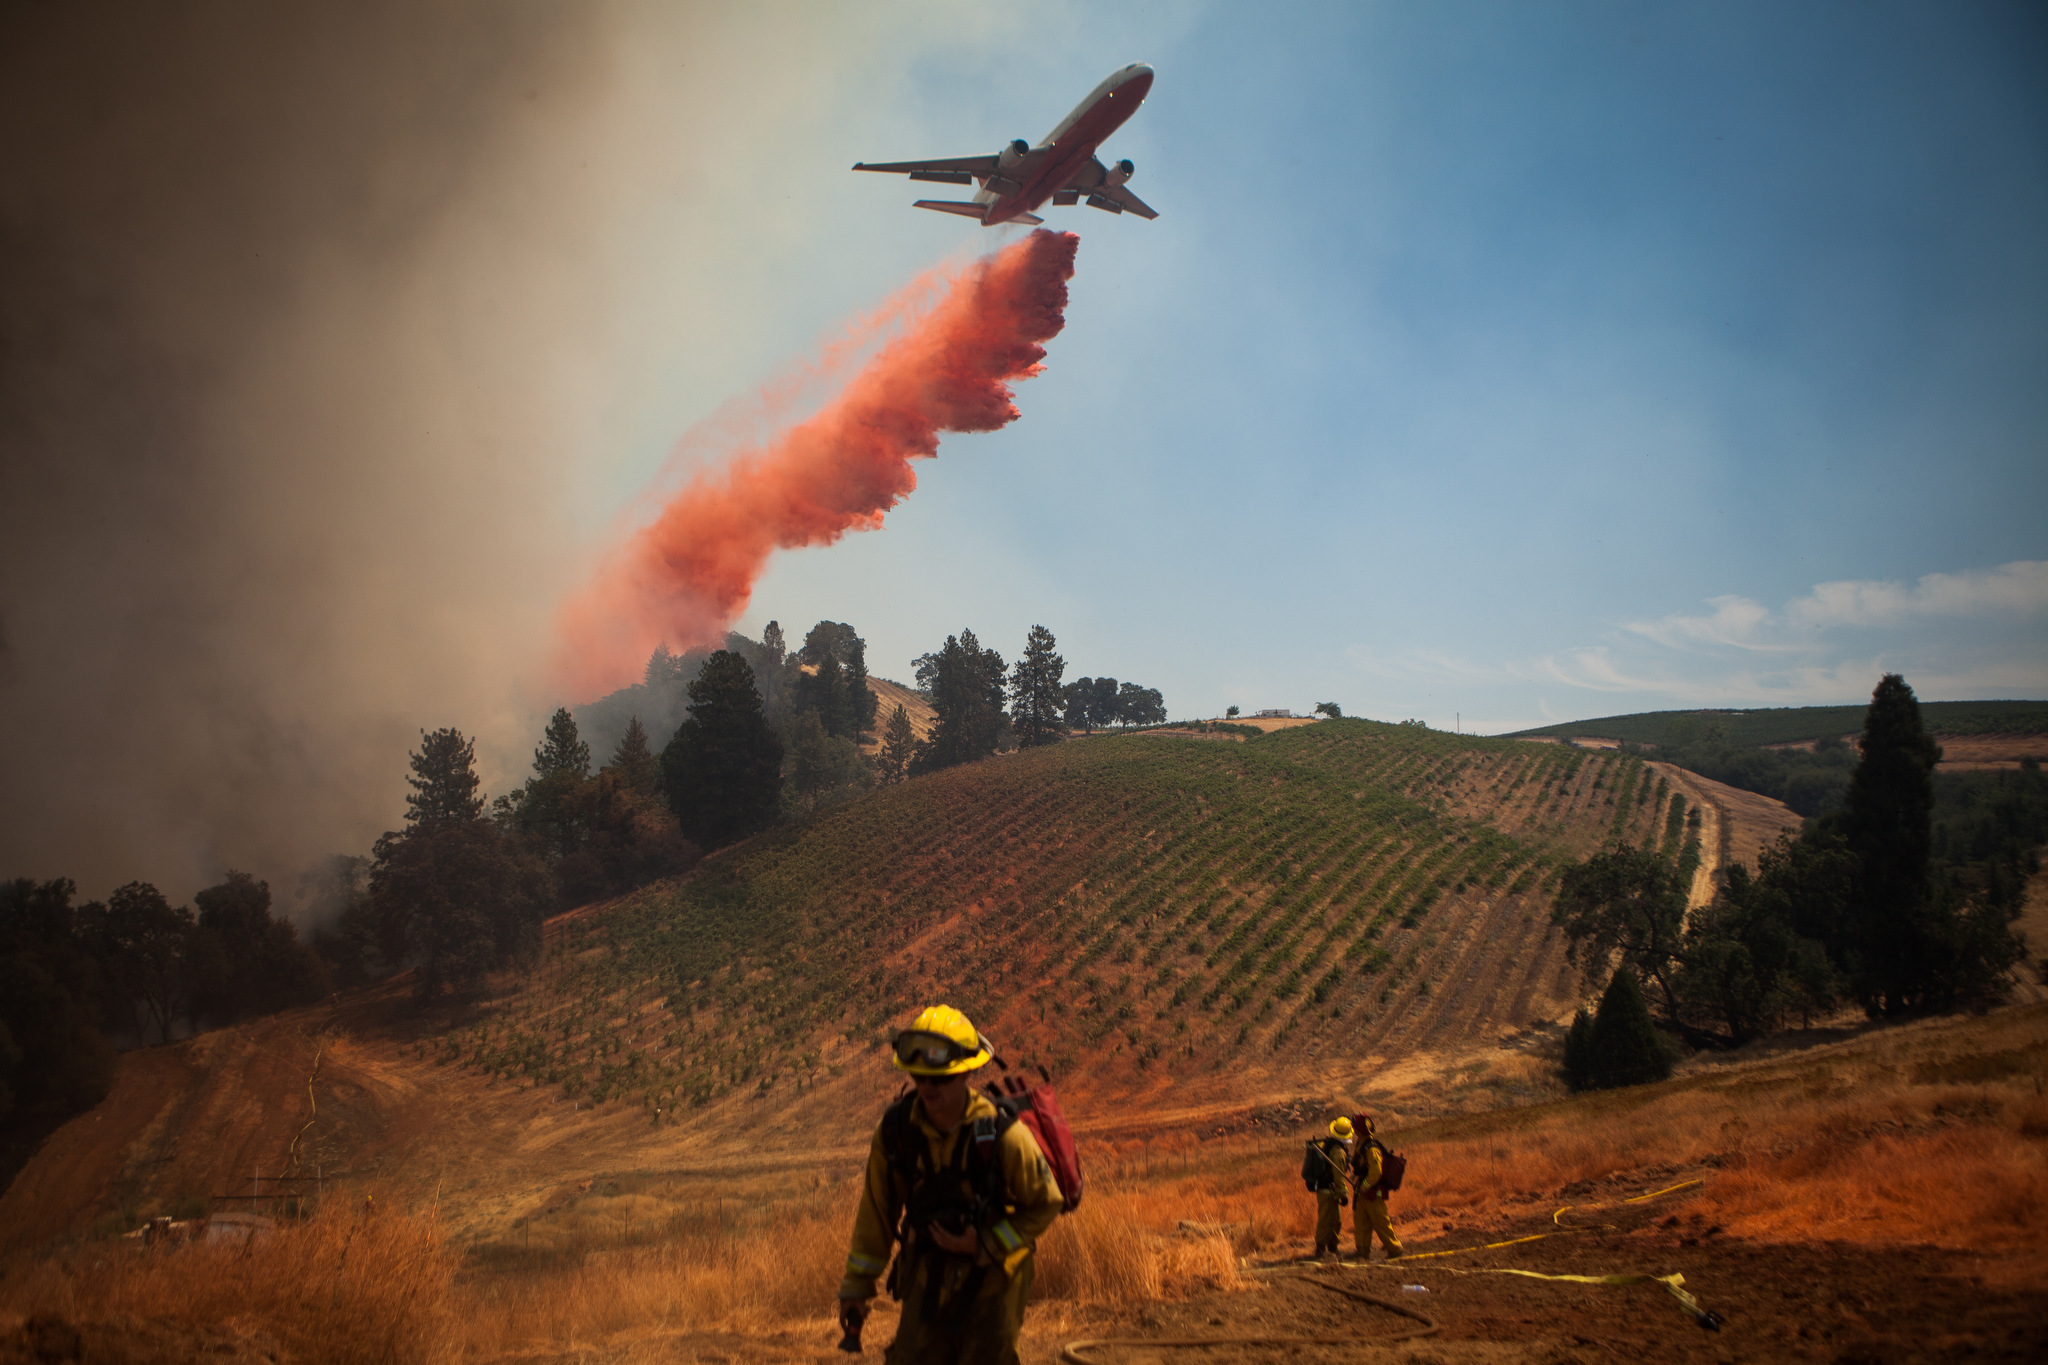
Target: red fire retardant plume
(684,578)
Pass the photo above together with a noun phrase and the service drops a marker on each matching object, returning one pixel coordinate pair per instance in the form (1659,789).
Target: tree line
(765,734)
(1876,905)
(76,979)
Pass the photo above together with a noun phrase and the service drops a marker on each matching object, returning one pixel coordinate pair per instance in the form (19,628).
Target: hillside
(1188,931)
(1166,908)
(1804,724)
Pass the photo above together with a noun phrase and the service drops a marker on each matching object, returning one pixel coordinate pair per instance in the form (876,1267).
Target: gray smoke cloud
(258,449)
(308,322)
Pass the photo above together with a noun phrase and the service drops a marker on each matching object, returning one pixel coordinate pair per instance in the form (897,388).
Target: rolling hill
(1187,930)
(1804,724)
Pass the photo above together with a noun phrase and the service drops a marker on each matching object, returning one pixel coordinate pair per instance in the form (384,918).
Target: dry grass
(1930,1135)
(1874,1145)
(338,1287)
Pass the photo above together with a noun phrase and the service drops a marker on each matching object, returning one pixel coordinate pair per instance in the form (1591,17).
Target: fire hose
(1707,1318)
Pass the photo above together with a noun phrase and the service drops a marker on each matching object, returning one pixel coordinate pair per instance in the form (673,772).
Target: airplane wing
(960,170)
(1103,191)
(1126,201)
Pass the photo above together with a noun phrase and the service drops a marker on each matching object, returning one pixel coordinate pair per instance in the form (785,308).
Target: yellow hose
(1070,1353)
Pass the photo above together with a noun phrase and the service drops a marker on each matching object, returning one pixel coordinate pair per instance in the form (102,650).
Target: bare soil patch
(1963,753)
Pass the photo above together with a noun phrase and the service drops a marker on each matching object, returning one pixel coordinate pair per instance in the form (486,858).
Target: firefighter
(962,1192)
(1323,1169)
(1369,1202)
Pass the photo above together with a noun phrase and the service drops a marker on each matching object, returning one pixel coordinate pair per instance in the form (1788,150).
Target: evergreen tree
(663,667)
(860,695)
(631,839)
(634,762)
(723,769)
(1036,696)
(837,686)
(899,743)
(1886,823)
(1577,1047)
(246,960)
(964,684)
(143,944)
(1623,1047)
(444,781)
(824,693)
(561,749)
(50,990)
(460,899)
(1913,941)
(451,892)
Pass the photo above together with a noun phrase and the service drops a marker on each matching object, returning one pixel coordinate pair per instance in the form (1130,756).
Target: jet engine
(1012,154)
(1119,173)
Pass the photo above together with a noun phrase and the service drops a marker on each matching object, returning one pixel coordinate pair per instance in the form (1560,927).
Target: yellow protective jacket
(1366,1169)
(1033,1195)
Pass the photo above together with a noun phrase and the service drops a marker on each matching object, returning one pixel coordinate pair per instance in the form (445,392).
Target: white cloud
(1961,635)
(1734,621)
(2018,588)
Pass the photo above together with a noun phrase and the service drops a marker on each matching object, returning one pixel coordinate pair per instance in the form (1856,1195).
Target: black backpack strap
(985,1168)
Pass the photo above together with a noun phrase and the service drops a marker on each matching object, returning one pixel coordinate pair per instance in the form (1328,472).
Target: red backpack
(1038,1108)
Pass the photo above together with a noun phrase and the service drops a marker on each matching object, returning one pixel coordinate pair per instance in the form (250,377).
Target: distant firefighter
(962,1190)
(1372,1176)
(1323,1169)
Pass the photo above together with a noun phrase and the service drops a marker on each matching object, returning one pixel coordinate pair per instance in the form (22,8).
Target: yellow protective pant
(1327,1221)
(983,1332)
(1367,1217)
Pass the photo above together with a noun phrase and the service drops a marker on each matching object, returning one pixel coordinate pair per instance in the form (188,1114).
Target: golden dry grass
(1935,1134)
(340,1287)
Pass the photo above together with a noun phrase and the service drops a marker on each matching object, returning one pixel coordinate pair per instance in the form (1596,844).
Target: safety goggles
(916,1049)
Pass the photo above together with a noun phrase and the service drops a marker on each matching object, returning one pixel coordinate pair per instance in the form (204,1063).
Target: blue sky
(1491,364)
(1480,353)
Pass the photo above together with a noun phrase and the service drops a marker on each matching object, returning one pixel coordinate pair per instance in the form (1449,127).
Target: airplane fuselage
(1047,167)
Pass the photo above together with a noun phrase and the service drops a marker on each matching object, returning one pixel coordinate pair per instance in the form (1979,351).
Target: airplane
(1063,168)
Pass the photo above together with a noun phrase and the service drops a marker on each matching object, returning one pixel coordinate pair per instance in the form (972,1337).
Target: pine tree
(633,761)
(861,696)
(562,749)
(444,781)
(964,684)
(1913,941)
(1036,696)
(1577,1047)
(899,742)
(661,667)
(1623,1047)
(723,769)
(1887,821)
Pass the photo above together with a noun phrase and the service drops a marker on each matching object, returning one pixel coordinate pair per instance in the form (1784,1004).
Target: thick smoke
(320,327)
(684,578)
(251,451)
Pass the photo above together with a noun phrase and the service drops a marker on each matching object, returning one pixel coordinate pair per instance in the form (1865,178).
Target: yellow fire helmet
(1341,1128)
(941,1042)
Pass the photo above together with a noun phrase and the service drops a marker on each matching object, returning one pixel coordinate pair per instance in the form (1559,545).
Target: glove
(852,1314)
